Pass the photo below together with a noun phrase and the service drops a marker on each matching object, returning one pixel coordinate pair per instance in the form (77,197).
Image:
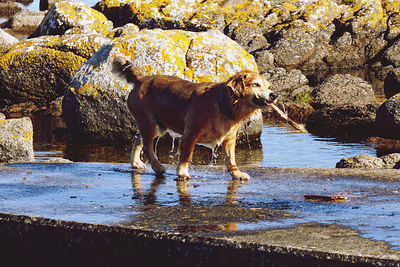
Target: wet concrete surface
(269,210)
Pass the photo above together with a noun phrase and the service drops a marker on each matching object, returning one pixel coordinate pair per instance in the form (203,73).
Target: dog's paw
(138,165)
(183,171)
(238,175)
(159,169)
(183,174)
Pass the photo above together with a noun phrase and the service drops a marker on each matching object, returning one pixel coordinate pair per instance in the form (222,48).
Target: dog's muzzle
(265,99)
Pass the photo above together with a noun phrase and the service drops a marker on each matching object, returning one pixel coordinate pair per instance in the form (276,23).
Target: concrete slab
(211,218)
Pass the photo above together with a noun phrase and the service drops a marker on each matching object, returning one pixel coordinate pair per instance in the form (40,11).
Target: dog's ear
(226,101)
(236,84)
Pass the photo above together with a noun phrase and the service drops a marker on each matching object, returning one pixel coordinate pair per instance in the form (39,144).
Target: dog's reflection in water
(149,197)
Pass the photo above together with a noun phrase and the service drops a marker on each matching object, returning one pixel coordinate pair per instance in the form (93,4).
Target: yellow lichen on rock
(104,4)
(392,13)
(365,13)
(158,51)
(65,15)
(193,56)
(89,90)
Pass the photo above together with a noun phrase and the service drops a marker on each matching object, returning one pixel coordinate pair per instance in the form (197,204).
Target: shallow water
(286,147)
(280,146)
(110,193)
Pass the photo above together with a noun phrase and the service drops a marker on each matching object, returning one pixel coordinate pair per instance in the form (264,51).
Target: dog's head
(252,88)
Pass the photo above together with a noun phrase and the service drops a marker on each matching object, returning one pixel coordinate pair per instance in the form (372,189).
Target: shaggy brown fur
(206,113)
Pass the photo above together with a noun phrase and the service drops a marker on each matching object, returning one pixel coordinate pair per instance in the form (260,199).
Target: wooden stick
(284,116)
(325,198)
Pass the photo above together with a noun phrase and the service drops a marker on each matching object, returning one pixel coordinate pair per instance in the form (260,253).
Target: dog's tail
(123,66)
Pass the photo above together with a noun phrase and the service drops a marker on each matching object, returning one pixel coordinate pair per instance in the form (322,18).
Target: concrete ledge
(37,241)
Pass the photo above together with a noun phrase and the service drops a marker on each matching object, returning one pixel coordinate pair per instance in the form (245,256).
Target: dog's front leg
(229,149)
(186,147)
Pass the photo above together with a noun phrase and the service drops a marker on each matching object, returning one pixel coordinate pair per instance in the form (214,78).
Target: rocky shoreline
(70,46)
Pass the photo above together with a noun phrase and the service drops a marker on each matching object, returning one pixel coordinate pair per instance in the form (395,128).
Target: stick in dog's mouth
(284,116)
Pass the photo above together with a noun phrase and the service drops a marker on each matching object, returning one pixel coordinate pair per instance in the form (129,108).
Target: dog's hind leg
(149,134)
(136,162)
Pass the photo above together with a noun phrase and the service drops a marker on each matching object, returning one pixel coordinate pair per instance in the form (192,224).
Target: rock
(363,162)
(9,8)
(47,4)
(251,129)
(340,90)
(312,35)
(7,40)
(184,14)
(392,83)
(20,110)
(39,70)
(249,37)
(16,140)
(66,15)
(392,54)
(344,121)
(306,35)
(388,118)
(55,108)
(95,103)
(391,161)
(294,48)
(127,29)
(286,83)
(25,22)
(265,60)
(384,144)
(58,160)
(392,11)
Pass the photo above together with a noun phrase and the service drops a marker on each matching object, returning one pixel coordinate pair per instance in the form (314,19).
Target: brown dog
(207,113)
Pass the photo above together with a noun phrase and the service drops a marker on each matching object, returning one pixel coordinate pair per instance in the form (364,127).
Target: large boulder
(25,22)
(66,15)
(388,117)
(16,140)
(95,102)
(38,70)
(6,39)
(341,90)
(347,121)
(345,106)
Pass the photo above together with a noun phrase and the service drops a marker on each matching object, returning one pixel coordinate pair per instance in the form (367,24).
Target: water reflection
(149,197)
(186,214)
